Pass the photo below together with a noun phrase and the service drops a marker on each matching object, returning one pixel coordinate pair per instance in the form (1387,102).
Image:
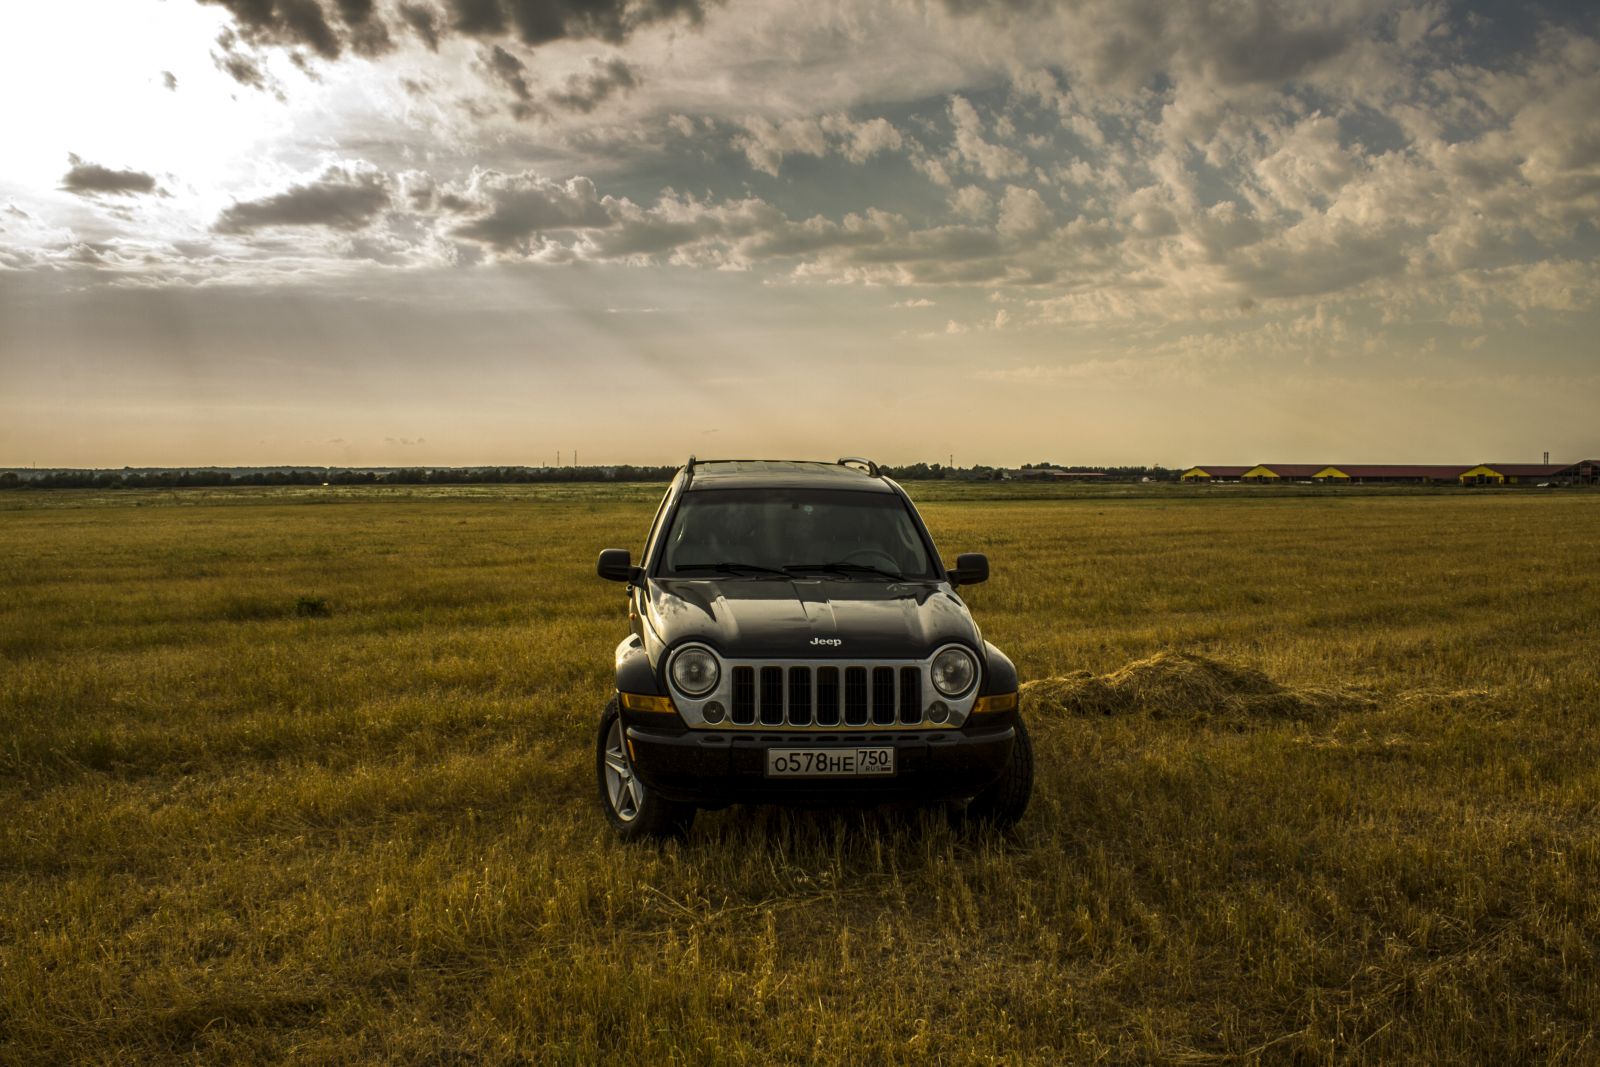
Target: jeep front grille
(826,696)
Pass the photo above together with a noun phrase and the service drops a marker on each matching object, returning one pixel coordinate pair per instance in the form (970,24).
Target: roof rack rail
(872,468)
(688,470)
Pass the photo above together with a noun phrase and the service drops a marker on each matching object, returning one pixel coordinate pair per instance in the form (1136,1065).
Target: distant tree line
(936,471)
(182,479)
(204,477)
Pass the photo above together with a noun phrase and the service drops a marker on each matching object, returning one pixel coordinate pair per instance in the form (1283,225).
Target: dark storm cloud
(367,35)
(424,22)
(328,30)
(341,199)
(242,68)
(91,179)
(585,92)
(511,72)
(478,18)
(539,21)
(354,12)
(284,22)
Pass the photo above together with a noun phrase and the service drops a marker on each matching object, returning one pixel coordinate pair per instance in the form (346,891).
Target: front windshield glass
(832,532)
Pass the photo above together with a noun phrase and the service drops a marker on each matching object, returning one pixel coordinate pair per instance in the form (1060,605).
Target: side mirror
(616,566)
(970,569)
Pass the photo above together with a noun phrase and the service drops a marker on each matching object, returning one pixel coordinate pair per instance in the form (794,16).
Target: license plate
(829,762)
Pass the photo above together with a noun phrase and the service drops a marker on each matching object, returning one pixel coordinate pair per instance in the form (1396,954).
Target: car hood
(744,618)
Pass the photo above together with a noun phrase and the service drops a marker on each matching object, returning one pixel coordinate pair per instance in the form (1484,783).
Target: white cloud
(860,141)
(971,202)
(993,161)
(1023,213)
(765,143)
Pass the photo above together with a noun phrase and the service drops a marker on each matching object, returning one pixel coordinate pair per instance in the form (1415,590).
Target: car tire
(634,809)
(1003,803)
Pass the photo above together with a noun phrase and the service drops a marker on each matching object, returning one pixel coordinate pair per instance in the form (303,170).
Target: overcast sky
(1106,231)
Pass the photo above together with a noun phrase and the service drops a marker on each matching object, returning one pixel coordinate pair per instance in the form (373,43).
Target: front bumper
(722,766)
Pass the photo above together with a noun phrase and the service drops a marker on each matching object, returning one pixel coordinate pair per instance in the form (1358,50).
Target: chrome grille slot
(799,696)
(910,695)
(855,696)
(827,696)
(883,704)
(744,696)
(771,696)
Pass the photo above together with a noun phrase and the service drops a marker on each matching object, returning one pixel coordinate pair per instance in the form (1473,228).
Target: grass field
(307,776)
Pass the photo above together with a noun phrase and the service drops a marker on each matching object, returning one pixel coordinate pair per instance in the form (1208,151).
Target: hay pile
(1182,685)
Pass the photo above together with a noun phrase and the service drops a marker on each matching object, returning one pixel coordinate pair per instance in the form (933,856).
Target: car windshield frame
(812,561)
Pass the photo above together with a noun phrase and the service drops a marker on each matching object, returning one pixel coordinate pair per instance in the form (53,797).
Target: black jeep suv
(795,639)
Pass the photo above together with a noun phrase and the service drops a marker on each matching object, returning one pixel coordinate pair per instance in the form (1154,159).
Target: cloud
(518,207)
(540,21)
(242,67)
(534,217)
(365,33)
(765,142)
(511,72)
(169,80)
(91,179)
(341,198)
(991,160)
(1023,213)
(328,30)
(284,22)
(585,92)
(971,202)
(1127,45)
(860,141)
(424,22)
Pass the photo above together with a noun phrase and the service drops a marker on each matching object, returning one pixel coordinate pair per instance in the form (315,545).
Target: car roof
(782,473)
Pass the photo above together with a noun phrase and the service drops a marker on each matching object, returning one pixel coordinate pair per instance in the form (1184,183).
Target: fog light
(714,711)
(939,711)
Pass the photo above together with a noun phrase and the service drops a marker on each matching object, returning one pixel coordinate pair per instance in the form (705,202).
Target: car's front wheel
(632,807)
(1004,802)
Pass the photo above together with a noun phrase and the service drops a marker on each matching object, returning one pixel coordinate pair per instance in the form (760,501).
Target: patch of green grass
(239,831)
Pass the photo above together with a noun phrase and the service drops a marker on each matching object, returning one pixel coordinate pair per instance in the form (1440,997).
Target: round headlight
(954,671)
(695,672)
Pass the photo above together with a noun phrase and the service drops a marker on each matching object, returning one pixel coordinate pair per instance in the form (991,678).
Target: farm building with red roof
(1394,473)
(1584,472)
(1212,472)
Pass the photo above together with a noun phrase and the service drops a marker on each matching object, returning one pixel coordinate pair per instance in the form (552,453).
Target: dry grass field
(306,776)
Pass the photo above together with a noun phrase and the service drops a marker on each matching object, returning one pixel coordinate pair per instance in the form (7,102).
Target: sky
(460,232)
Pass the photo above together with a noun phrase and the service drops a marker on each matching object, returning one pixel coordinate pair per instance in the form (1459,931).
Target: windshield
(837,532)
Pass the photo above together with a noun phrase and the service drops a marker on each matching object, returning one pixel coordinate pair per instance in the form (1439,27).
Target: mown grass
(236,830)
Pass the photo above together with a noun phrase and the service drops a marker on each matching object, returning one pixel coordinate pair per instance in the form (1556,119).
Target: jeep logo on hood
(834,642)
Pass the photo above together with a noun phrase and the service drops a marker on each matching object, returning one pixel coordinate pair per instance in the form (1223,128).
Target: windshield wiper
(730,568)
(844,568)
